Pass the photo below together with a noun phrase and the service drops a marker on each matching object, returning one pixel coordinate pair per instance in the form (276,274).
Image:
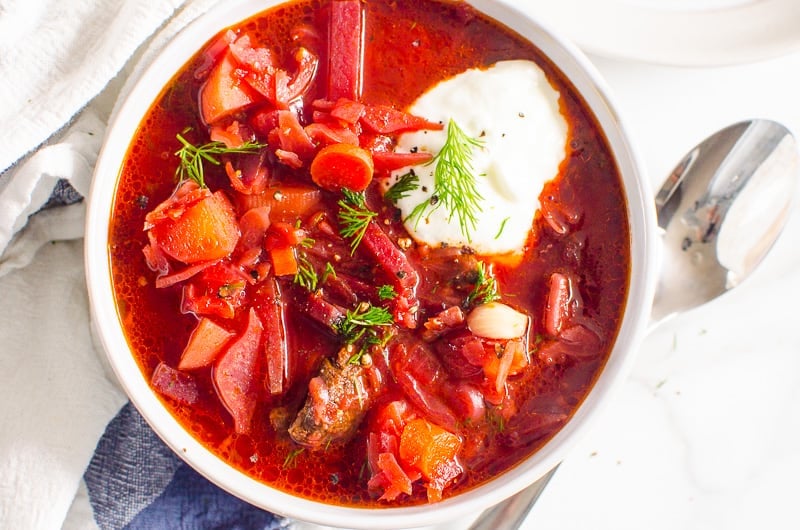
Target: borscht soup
(370,253)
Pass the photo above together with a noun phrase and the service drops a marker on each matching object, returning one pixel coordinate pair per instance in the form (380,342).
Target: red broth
(581,242)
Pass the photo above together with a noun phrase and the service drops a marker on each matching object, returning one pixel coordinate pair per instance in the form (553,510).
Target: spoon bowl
(721,210)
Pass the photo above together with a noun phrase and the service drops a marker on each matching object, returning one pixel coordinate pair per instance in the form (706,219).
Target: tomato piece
(205,231)
(224,92)
(235,373)
(338,166)
(344,50)
(384,119)
(205,342)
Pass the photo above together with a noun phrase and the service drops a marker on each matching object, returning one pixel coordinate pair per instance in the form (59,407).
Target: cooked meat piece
(336,403)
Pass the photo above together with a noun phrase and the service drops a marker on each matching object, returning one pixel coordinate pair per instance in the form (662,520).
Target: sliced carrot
(338,166)
(204,345)
(205,231)
(284,261)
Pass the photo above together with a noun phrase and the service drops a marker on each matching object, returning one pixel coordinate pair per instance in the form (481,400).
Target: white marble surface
(705,433)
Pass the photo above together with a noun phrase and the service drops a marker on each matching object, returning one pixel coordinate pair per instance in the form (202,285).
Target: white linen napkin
(56,398)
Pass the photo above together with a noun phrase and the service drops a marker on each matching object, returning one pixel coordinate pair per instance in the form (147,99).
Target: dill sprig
(354,217)
(192,157)
(400,189)
(386,292)
(366,317)
(306,276)
(485,289)
(291,458)
(454,182)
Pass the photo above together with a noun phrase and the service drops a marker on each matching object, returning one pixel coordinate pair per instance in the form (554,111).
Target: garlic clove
(497,321)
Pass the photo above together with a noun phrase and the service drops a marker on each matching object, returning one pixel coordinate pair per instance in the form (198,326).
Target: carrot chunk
(338,166)
(204,345)
(432,450)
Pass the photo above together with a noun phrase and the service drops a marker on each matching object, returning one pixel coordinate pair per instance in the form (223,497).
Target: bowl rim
(641,216)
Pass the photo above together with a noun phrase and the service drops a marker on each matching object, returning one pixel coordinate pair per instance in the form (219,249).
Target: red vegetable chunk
(235,375)
(206,342)
(175,384)
(225,92)
(206,230)
(345,37)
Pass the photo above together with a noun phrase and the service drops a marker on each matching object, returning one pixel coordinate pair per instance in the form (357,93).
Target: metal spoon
(720,211)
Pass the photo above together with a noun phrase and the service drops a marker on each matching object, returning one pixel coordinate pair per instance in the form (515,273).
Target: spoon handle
(509,514)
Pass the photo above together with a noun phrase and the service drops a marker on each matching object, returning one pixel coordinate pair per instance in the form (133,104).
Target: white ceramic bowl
(641,215)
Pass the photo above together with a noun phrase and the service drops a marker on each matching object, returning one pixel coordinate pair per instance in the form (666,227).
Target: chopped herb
(454,183)
(354,217)
(290,460)
(400,189)
(386,292)
(365,317)
(502,227)
(328,272)
(192,157)
(306,276)
(485,289)
(307,242)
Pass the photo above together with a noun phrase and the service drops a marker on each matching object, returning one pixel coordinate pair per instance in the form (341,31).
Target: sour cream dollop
(513,110)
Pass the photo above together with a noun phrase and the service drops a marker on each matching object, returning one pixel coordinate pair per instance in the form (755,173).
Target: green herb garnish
(358,321)
(454,182)
(306,276)
(192,157)
(502,227)
(354,217)
(290,460)
(400,189)
(485,289)
(328,272)
(386,292)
